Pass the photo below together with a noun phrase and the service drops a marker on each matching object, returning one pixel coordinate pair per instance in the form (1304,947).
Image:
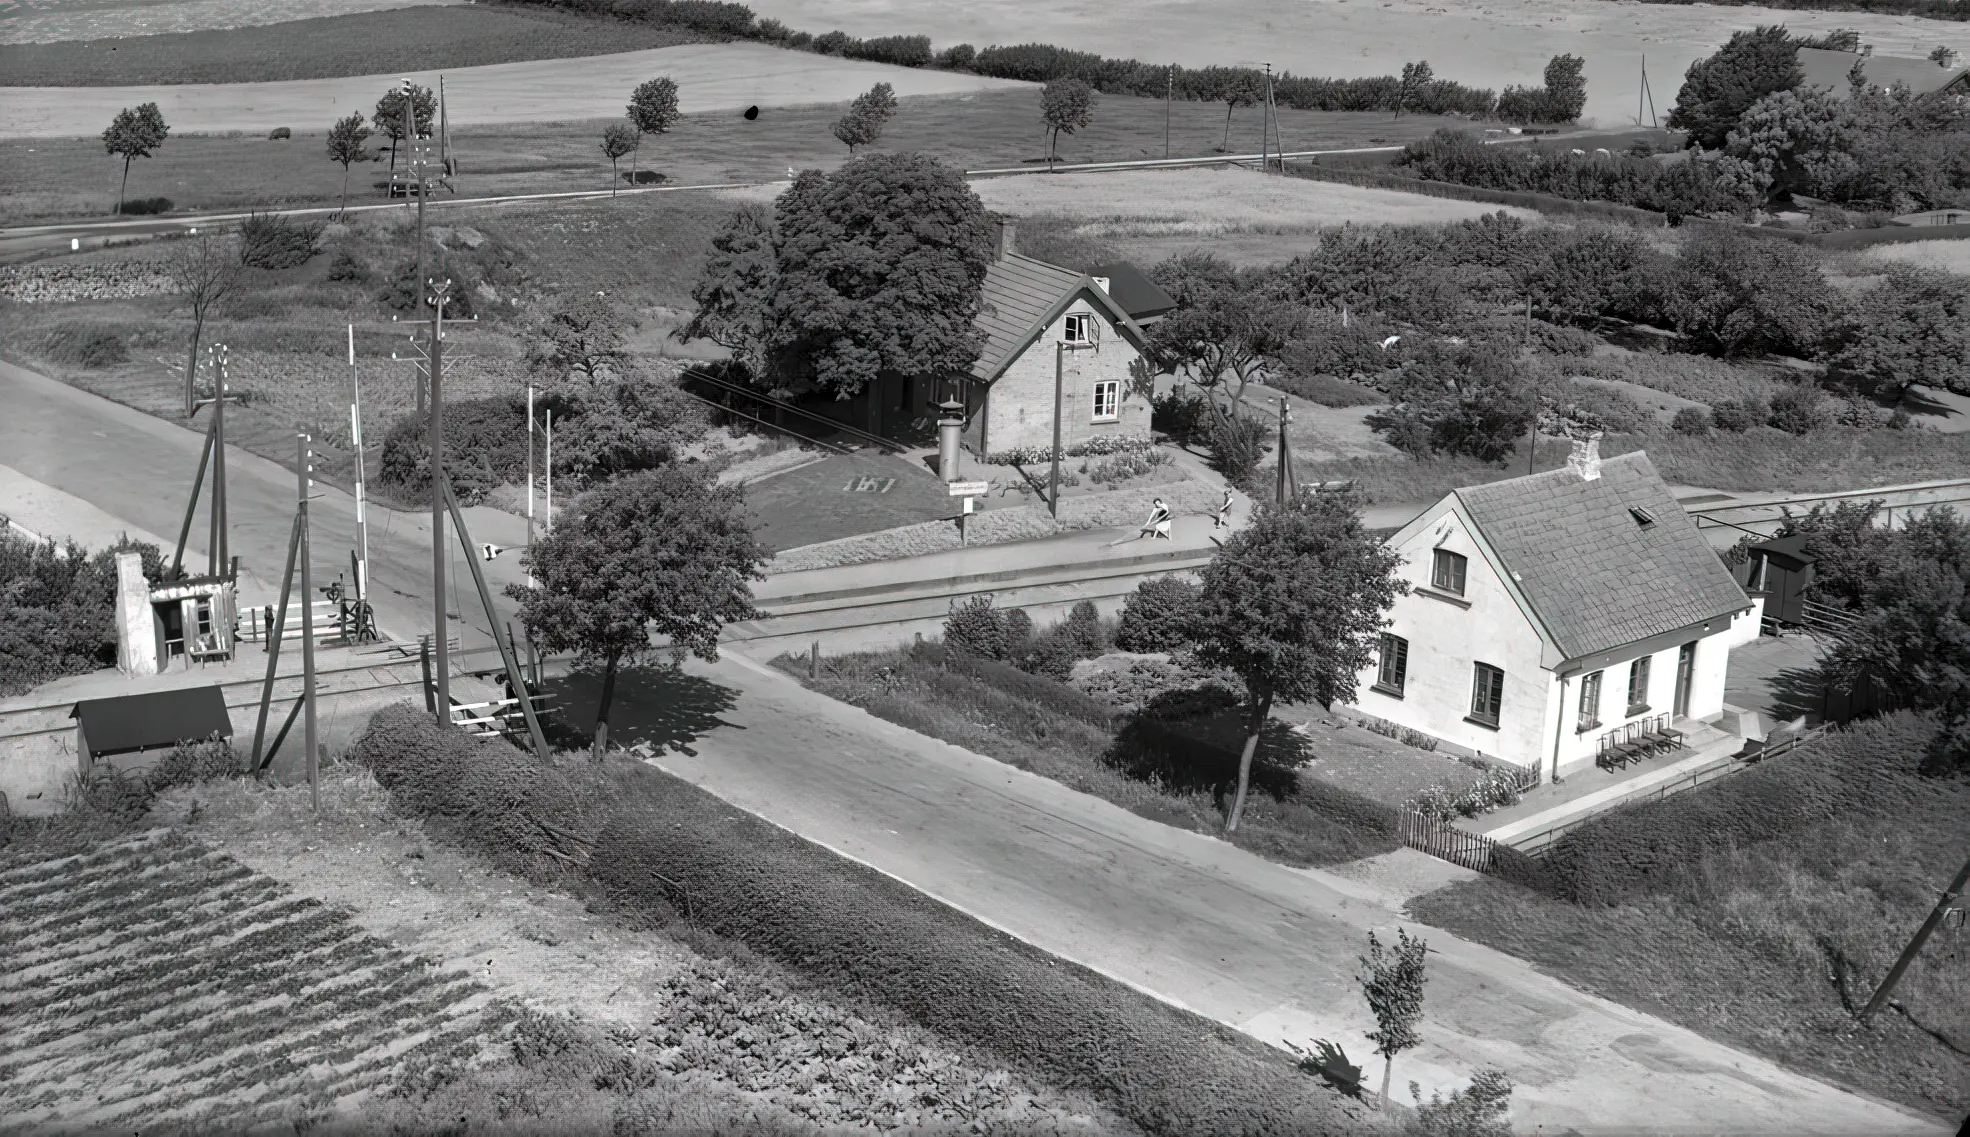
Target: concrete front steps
(1714,754)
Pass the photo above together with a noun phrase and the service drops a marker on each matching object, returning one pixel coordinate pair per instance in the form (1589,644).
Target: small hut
(1780,570)
(131,731)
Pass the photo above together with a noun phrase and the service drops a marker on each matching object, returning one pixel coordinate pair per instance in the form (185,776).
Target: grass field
(367,43)
(56,177)
(149,981)
(1948,256)
(47,21)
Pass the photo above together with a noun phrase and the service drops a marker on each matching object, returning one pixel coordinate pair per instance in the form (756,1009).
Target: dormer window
(1080,328)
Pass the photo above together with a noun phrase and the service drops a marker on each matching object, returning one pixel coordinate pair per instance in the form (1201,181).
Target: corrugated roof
(1018,294)
(1823,68)
(1595,576)
(1138,295)
(157,718)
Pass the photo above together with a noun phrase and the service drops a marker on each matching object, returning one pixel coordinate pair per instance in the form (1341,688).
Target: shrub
(147,205)
(1735,416)
(485,447)
(832,43)
(1083,629)
(267,240)
(1010,680)
(1156,616)
(958,57)
(1481,1110)
(1019,628)
(974,627)
(1798,409)
(1052,655)
(1405,735)
(345,265)
(1867,770)
(59,613)
(1692,421)
(1237,447)
(1122,467)
(189,763)
(1463,159)
(83,345)
(1098,445)
(1494,789)
(1179,414)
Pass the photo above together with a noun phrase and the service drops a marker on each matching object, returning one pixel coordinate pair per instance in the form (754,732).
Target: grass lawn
(55,177)
(327,47)
(1173,774)
(1743,934)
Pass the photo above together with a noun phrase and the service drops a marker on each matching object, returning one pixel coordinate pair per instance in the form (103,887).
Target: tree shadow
(1798,691)
(664,707)
(1189,741)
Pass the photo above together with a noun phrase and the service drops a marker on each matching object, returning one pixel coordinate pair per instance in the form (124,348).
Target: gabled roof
(1823,68)
(155,719)
(1595,576)
(1021,297)
(1138,295)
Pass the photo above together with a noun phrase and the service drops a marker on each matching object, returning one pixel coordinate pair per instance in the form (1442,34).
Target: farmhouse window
(1394,670)
(1107,400)
(1448,572)
(1487,694)
(1590,702)
(1080,328)
(1638,686)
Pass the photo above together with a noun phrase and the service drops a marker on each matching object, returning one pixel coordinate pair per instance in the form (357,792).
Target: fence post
(814,661)
(424,661)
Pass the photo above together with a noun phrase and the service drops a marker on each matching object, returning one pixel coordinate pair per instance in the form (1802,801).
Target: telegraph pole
(439,632)
(530,478)
(414,184)
(1936,916)
(302,470)
(356,443)
(1169,97)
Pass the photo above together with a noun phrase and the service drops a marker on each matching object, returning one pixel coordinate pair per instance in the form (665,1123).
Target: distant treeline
(1042,63)
(1927,9)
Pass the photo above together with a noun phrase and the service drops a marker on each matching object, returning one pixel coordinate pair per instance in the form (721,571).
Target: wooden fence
(1444,841)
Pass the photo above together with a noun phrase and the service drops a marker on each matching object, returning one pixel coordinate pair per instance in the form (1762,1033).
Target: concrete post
(136,632)
(950,422)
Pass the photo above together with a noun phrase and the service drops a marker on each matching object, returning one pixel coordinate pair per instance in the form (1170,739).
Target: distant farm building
(1830,69)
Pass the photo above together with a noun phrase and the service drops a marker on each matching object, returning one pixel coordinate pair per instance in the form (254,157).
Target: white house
(1037,316)
(1548,610)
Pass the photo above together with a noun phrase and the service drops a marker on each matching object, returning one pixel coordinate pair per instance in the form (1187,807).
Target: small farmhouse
(1036,317)
(1548,611)
(1830,69)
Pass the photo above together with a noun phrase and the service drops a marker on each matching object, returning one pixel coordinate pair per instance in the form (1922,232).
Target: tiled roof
(1018,294)
(1596,577)
(1823,68)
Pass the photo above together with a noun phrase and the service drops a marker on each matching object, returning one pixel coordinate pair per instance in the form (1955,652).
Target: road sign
(969,489)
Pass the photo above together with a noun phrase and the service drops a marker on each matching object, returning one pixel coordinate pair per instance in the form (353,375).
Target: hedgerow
(663,848)
(1867,770)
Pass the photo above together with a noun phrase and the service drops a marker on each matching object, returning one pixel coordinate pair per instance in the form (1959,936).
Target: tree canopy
(348,143)
(1914,327)
(1229,325)
(1470,398)
(134,133)
(665,551)
(1718,89)
(583,334)
(618,139)
(1292,605)
(389,116)
(866,117)
(1066,105)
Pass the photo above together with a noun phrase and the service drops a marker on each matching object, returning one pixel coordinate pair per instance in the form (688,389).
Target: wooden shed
(1780,570)
(131,731)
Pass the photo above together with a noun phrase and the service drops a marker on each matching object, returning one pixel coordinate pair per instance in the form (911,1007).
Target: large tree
(738,280)
(389,116)
(653,110)
(134,133)
(581,335)
(1718,89)
(1471,398)
(1229,326)
(1292,605)
(348,144)
(866,117)
(1415,76)
(879,269)
(1066,105)
(1912,328)
(1233,86)
(1738,295)
(667,552)
(1791,142)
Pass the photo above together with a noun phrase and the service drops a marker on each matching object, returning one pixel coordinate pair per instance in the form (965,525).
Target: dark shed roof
(1790,551)
(159,718)
(1138,295)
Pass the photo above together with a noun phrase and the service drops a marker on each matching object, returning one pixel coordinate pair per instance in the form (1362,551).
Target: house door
(1685,678)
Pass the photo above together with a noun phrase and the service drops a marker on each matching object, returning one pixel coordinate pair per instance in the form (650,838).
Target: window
(1448,572)
(1394,665)
(1107,400)
(1638,686)
(1080,328)
(1487,693)
(1590,702)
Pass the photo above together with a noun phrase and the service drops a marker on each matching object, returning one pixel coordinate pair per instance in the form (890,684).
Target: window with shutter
(1487,694)
(1394,670)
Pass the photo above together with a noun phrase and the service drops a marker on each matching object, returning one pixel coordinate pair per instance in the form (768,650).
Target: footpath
(1264,948)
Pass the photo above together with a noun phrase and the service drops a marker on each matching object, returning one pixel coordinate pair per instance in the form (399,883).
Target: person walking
(1223,519)
(1158,524)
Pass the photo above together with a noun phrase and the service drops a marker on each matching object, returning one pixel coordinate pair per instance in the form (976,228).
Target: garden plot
(151,980)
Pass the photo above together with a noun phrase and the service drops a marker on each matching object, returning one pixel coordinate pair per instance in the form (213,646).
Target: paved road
(1265,948)
(139,469)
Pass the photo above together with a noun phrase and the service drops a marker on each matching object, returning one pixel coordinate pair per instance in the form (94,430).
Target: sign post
(970,492)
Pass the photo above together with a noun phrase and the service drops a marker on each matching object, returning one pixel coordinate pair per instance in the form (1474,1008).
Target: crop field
(149,980)
(1948,256)
(367,43)
(45,21)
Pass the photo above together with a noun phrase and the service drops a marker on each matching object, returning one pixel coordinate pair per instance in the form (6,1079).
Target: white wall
(1019,409)
(1446,639)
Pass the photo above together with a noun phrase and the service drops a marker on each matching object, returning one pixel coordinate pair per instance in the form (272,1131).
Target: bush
(147,205)
(1461,158)
(974,627)
(83,345)
(1179,414)
(1237,447)
(832,43)
(1494,789)
(1798,409)
(59,615)
(485,447)
(1481,1110)
(1098,445)
(1735,416)
(1866,770)
(903,51)
(271,241)
(1692,421)
(345,265)
(1122,467)
(190,763)
(1156,616)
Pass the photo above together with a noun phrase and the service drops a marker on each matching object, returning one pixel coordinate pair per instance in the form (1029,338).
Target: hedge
(1866,770)
(663,848)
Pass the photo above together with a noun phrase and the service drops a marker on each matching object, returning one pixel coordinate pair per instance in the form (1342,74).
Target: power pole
(530,477)
(440,637)
(1169,97)
(1936,916)
(549,459)
(302,470)
(414,183)
(1059,382)
(1532,431)
(356,443)
(219,527)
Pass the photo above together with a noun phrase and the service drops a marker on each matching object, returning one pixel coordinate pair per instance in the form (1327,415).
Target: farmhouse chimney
(1008,236)
(1586,457)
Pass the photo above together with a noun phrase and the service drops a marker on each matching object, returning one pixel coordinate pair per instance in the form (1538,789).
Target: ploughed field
(151,980)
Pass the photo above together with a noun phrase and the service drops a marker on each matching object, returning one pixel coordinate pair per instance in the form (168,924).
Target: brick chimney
(1586,457)
(1008,236)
